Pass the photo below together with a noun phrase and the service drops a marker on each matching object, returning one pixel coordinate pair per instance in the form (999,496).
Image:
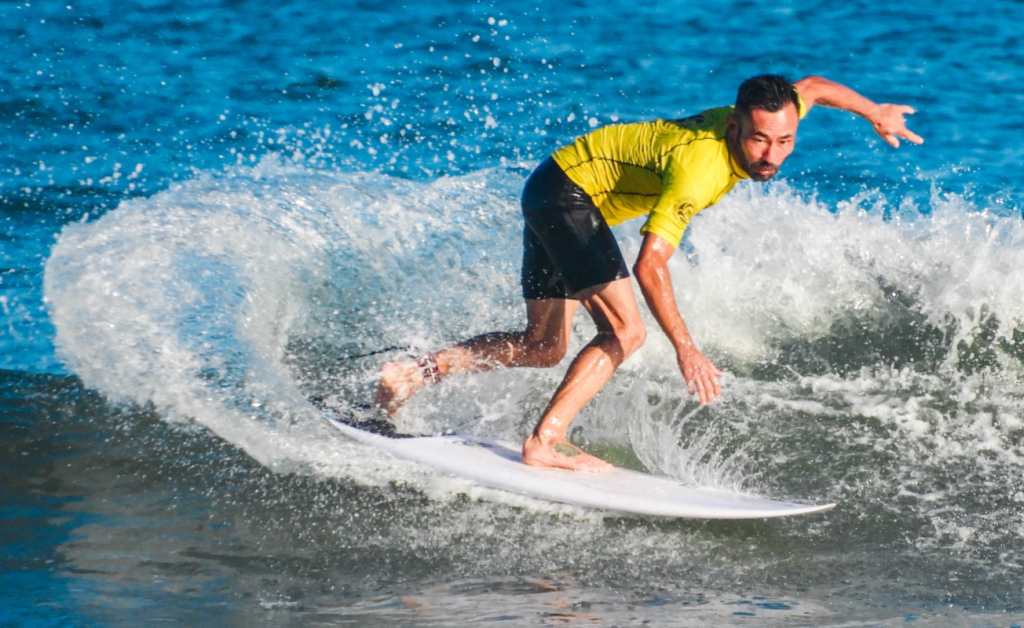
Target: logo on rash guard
(684,212)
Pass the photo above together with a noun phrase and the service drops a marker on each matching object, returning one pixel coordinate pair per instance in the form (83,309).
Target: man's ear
(732,127)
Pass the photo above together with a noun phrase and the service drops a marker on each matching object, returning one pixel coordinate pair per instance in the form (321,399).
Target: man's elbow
(811,81)
(639,268)
(646,272)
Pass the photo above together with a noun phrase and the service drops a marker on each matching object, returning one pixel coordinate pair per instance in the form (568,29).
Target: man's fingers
(702,390)
(889,123)
(701,379)
(710,389)
(907,134)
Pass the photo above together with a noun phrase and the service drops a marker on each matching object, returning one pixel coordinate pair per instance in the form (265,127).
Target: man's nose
(775,154)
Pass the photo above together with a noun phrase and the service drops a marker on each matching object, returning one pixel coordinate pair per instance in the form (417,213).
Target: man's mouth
(764,169)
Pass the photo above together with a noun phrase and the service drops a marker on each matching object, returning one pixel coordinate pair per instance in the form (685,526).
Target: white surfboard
(499,465)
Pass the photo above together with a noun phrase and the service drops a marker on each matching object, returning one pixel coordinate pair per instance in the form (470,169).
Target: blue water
(204,207)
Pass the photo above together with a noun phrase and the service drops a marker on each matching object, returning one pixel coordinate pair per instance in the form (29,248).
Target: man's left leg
(541,345)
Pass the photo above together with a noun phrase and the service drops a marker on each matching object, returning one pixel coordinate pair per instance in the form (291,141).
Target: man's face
(762,141)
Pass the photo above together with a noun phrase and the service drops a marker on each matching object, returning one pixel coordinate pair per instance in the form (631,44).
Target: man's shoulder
(709,121)
(698,146)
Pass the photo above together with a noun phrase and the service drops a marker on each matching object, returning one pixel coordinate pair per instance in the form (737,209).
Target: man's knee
(631,337)
(546,354)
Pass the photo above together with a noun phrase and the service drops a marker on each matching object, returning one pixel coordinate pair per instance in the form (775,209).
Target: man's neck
(736,153)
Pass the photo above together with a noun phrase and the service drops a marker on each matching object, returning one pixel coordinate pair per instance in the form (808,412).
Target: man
(665,170)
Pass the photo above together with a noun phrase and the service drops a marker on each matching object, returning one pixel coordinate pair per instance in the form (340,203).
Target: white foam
(224,299)
(766,264)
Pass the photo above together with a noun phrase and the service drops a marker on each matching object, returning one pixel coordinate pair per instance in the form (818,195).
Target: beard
(768,169)
(757,172)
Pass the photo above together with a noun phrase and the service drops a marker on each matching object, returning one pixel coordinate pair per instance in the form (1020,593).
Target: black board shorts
(567,245)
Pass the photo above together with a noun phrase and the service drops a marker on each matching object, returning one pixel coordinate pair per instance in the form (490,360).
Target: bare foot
(398,382)
(563,455)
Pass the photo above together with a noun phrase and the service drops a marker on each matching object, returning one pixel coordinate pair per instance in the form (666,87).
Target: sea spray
(226,300)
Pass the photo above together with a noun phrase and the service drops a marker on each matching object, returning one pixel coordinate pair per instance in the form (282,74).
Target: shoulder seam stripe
(626,163)
(617,161)
(621,192)
(687,143)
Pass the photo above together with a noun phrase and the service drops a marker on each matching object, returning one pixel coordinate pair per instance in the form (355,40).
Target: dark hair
(770,92)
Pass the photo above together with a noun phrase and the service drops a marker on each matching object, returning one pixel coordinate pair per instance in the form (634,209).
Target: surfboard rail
(499,465)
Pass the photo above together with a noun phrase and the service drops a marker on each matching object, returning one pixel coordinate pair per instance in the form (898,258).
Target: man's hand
(700,374)
(890,124)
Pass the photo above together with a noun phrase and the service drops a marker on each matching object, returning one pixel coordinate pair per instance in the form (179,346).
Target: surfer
(666,170)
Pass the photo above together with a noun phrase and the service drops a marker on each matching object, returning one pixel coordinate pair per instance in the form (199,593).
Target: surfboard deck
(499,465)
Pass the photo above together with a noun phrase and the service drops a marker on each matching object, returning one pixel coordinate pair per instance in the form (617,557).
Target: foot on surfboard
(398,382)
(562,455)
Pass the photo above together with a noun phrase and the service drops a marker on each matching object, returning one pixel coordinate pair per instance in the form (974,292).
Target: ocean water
(210,210)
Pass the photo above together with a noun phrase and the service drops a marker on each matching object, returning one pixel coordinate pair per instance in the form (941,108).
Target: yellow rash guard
(666,170)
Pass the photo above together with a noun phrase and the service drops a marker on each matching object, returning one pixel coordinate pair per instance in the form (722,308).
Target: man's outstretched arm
(886,118)
(651,270)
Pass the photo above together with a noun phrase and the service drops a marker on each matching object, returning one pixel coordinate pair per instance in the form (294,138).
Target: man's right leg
(620,332)
(542,344)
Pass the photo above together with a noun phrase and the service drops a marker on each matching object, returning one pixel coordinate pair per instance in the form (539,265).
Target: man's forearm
(656,286)
(816,90)
(651,271)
